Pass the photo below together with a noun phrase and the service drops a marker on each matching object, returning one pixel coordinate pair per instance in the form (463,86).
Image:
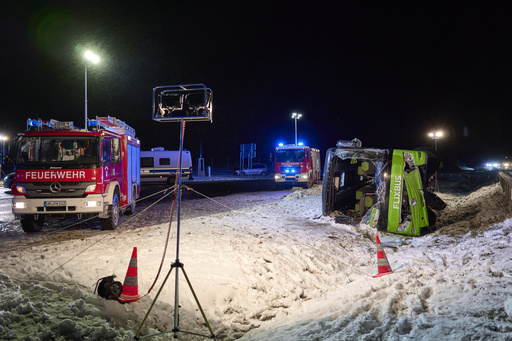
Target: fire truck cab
(62,170)
(297,165)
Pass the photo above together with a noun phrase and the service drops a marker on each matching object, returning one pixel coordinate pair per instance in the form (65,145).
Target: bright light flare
(19,205)
(296,116)
(436,135)
(90,56)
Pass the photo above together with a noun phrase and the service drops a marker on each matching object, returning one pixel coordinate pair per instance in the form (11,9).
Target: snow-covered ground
(276,270)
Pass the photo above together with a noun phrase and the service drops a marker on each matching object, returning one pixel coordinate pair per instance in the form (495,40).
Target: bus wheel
(29,223)
(112,221)
(171,180)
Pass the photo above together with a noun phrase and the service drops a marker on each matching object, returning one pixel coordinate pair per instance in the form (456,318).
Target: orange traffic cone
(382,261)
(130,291)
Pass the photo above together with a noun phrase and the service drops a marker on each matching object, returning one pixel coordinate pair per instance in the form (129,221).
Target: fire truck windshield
(290,155)
(58,149)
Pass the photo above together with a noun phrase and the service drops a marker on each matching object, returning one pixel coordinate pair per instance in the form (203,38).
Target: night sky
(385,73)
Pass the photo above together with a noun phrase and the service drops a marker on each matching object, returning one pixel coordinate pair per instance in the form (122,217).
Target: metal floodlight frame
(181,105)
(182,108)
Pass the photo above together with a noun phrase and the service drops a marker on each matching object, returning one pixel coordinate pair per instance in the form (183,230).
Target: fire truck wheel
(30,224)
(263,173)
(309,184)
(131,208)
(112,221)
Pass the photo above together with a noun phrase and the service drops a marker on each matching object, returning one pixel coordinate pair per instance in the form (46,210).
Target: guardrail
(506,185)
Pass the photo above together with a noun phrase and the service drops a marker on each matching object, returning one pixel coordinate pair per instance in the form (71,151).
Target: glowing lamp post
(435,136)
(296,117)
(94,59)
(3,138)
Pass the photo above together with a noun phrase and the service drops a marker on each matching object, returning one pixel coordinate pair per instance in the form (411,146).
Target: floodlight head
(173,103)
(90,56)
(436,135)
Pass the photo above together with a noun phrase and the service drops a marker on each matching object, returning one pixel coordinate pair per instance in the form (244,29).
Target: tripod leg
(198,304)
(152,305)
(176,328)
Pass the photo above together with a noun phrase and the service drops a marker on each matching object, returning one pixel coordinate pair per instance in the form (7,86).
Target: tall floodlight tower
(296,117)
(180,103)
(89,59)
(435,136)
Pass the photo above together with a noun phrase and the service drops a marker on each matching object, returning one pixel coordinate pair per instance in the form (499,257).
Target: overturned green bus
(386,189)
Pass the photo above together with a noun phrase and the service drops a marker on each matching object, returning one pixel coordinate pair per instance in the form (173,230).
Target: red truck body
(297,165)
(62,170)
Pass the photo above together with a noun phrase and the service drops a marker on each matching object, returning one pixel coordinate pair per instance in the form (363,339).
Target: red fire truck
(297,165)
(62,170)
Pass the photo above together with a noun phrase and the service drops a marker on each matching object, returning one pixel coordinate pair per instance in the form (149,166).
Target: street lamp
(94,59)
(435,136)
(296,117)
(3,138)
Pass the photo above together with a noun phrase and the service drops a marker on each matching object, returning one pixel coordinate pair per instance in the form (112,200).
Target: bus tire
(171,180)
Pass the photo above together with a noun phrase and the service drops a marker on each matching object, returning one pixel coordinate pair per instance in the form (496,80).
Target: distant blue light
(301,143)
(281,144)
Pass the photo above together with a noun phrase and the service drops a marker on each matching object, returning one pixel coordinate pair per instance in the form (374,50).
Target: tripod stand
(177,265)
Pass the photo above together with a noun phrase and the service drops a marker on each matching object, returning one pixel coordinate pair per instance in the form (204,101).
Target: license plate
(54,203)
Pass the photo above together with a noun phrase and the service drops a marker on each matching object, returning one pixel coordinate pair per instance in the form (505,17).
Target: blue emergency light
(32,123)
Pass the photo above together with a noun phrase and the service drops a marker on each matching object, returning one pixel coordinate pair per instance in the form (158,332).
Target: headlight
(19,205)
(90,188)
(21,189)
(92,204)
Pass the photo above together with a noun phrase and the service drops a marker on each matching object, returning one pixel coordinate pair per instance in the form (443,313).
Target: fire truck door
(111,159)
(133,171)
(116,169)
(105,160)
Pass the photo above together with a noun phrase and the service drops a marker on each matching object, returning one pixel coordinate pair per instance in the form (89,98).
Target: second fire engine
(297,165)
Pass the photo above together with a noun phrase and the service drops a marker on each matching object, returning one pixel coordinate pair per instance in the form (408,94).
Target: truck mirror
(174,103)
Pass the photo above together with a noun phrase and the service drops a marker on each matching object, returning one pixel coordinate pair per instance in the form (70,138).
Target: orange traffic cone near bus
(130,291)
(382,261)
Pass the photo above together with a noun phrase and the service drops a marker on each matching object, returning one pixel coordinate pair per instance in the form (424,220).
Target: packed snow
(273,270)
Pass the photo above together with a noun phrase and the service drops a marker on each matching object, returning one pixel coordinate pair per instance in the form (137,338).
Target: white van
(162,165)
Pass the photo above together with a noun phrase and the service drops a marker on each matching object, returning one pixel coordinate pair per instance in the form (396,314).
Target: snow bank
(277,271)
